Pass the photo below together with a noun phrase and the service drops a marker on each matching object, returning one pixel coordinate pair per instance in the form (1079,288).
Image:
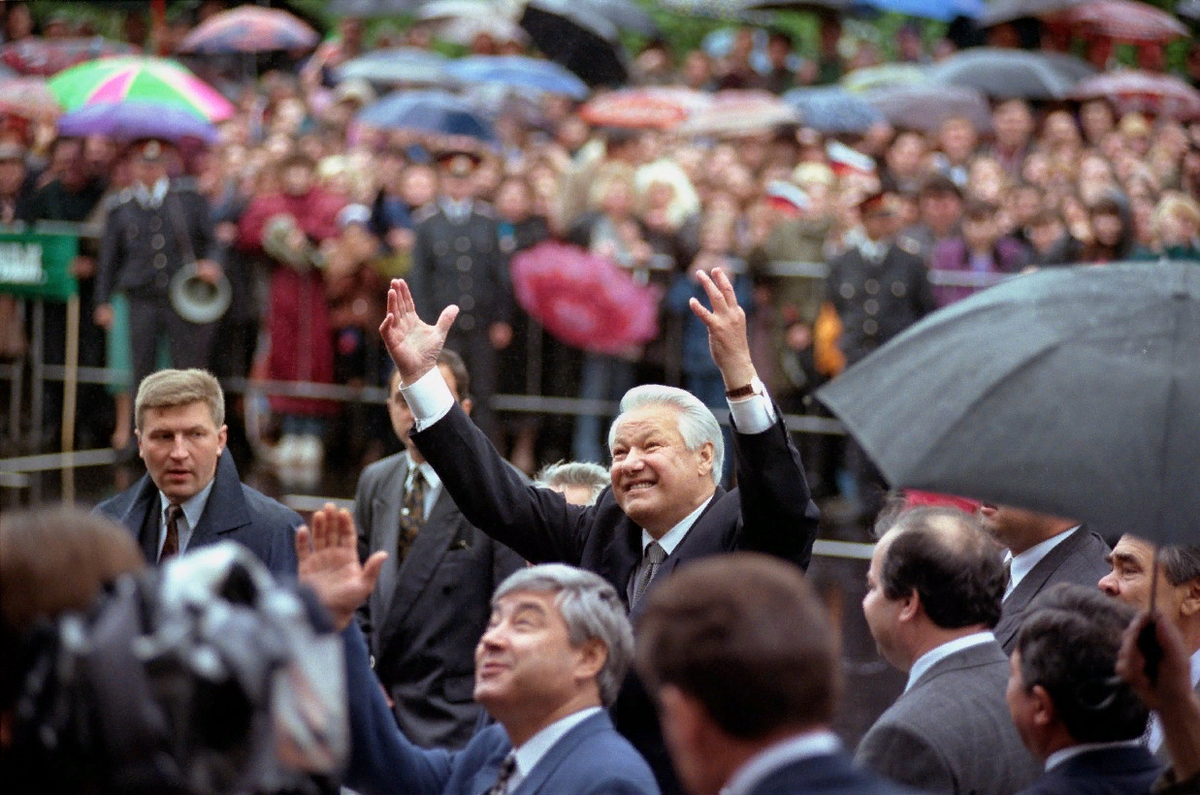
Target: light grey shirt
(193,509)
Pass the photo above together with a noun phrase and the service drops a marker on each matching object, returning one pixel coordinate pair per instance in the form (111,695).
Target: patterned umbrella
(645,108)
(250,29)
(50,56)
(1144,92)
(1124,20)
(833,110)
(584,300)
(519,72)
(128,121)
(888,74)
(28,97)
(157,81)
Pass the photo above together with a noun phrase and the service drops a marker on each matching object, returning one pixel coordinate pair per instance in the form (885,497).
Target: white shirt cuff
(429,398)
(753,414)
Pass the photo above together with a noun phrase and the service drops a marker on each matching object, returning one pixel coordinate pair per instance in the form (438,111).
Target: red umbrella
(584,300)
(1144,92)
(1124,20)
(657,108)
(50,56)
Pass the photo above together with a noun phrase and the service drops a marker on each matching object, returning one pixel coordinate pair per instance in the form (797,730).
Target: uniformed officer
(456,259)
(156,227)
(879,288)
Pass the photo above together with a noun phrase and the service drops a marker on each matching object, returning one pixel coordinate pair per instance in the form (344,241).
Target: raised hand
(726,324)
(329,564)
(413,344)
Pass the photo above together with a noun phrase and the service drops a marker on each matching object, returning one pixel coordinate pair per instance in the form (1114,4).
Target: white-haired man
(664,507)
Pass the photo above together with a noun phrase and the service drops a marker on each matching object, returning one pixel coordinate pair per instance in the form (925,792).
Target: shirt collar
(672,537)
(432,481)
(193,507)
(1063,754)
(802,746)
(1024,562)
(938,653)
(152,197)
(533,749)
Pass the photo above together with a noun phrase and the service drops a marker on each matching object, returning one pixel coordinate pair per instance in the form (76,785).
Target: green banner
(38,264)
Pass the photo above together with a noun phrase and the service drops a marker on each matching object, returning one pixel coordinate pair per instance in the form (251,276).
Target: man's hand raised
(328,555)
(413,344)
(726,324)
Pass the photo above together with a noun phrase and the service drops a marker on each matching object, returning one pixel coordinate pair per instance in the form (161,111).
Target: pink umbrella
(1143,92)
(656,108)
(250,29)
(584,300)
(1124,20)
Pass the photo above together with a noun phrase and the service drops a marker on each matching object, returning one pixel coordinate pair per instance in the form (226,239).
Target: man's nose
(1108,584)
(179,447)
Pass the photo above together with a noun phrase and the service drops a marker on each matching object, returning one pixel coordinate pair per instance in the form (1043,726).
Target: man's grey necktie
(654,557)
(507,768)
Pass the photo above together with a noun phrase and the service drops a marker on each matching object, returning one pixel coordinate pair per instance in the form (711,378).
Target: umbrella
(250,29)
(653,107)
(142,78)
(1072,391)
(398,65)
(584,300)
(812,6)
(578,37)
(1006,74)
(627,15)
(888,74)
(127,121)
(735,113)
(28,97)
(832,110)
(435,112)
(445,10)
(518,72)
(999,11)
(941,10)
(371,9)
(926,106)
(1189,10)
(464,30)
(1144,92)
(49,56)
(1124,20)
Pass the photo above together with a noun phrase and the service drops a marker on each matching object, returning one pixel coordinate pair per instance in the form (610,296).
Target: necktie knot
(652,558)
(655,554)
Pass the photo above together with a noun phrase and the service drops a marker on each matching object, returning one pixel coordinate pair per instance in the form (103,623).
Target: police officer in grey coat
(156,228)
(456,259)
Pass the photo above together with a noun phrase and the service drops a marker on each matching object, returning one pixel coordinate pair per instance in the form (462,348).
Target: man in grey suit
(432,602)
(933,594)
(1043,550)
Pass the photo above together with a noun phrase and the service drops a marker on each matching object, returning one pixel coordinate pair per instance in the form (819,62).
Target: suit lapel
(226,507)
(385,515)
(538,780)
(1033,582)
(695,543)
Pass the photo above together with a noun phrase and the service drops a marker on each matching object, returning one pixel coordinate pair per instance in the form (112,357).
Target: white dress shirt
(939,653)
(1023,563)
(193,509)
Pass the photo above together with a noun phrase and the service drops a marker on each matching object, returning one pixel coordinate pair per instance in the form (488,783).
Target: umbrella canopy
(888,74)
(926,106)
(464,30)
(158,81)
(833,110)
(397,66)
(739,112)
(28,97)
(128,121)
(942,10)
(1124,20)
(433,112)
(626,15)
(250,28)
(371,9)
(1008,74)
(1071,391)
(443,10)
(811,6)
(1189,10)
(653,107)
(584,300)
(515,71)
(1133,90)
(579,38)
(999,11)
(50,56)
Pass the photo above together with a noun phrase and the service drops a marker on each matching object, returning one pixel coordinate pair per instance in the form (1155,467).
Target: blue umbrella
(398,65)
(436,112)
(518,72)
(832,109)
(131,119)
(943,10)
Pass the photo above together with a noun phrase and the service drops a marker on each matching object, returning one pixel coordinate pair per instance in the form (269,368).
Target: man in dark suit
(933,595)
(754,621)
(433,598)
(664,506)
(456,259)
(191,495)
(553,656)
(1042,551)
(1072,710)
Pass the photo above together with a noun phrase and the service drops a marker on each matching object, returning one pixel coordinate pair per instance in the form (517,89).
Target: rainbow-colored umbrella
(144,79)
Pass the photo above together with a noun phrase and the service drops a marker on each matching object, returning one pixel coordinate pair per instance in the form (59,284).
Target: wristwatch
(755,387)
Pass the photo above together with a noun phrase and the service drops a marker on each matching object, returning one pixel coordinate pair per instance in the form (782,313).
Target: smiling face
(181,446)
(656,480)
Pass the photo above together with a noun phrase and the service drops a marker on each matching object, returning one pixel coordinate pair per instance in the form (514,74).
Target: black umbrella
(1007,74)
(1072,391)
(579,38)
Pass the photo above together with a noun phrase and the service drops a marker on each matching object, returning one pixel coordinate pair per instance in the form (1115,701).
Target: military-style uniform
(148,236)
(456,259)
(878,289)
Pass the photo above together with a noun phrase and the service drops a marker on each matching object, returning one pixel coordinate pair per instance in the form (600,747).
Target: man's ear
(1190,605)
(593,656)
(222,438)
(467,404)
(910,606)
(707,452)
(1044,712)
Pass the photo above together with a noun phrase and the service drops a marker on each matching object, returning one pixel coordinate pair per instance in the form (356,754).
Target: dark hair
(745,635)
(939,185)
(1068,645)
(976,210)
(458,369)
(944,555)
(1180,564)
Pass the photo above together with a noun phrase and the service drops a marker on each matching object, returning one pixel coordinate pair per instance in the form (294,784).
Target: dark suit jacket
(1119,771)
(425,617)
(952,732)
(234,512)
(591,758)
(1079,559)
(770,512)
(831,774)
